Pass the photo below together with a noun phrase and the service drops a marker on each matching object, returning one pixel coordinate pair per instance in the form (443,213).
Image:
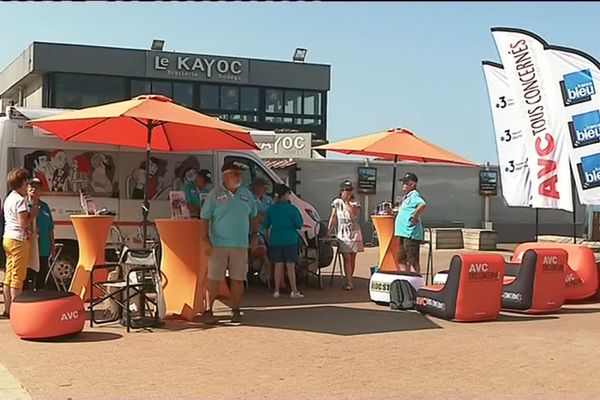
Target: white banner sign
(509,122)
(577,78)
(531,78)
(287,145)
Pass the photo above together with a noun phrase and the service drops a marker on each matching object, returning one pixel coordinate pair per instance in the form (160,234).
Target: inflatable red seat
(539,284)
(47,315)
(472,292)
(581,273)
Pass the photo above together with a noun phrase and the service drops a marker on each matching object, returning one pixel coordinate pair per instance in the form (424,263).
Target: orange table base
(388,243)
(92,232)
(184,267)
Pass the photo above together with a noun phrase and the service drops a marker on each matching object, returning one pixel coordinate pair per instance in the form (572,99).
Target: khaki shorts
(17,262)
(409,251)
(233,259)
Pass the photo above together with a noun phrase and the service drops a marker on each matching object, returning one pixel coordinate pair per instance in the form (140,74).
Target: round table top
(92,216)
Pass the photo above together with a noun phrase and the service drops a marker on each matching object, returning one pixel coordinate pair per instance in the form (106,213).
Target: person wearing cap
(227,216)
(282,222)
(195,188)
(344,214)
(263,202)
(44,224)
(408,225)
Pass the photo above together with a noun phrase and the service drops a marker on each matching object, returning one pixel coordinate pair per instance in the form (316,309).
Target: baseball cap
(259,182)
(232,166)
(410,177)
(282,189)
(204,173)
(35,181)
(346,185)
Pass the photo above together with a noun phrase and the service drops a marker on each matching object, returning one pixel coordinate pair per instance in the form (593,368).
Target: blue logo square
(589,171)
(577,87)
(585,128)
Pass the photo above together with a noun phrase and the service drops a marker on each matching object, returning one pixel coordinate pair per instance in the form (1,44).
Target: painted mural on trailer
(66,172)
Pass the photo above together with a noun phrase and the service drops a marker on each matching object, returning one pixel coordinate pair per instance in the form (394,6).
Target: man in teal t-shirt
(226,217)
(195,189)
(409,227)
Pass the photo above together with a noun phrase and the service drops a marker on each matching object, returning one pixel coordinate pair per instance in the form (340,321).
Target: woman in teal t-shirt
(45,228)
(282,222)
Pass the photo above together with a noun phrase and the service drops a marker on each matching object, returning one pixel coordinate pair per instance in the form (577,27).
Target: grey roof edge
(34,43)
(14,64)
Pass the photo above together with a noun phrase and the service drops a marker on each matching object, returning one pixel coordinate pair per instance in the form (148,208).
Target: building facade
(260,94)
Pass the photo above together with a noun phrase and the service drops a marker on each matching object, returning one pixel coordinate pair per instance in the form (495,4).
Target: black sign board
(488,183)
(367,180)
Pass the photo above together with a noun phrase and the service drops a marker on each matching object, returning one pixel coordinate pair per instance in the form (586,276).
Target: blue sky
(411,65)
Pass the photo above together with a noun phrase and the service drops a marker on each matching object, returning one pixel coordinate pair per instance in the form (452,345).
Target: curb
(10,387)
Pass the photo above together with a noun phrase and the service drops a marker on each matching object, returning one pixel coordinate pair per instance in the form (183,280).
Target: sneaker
(275,295)
(296,295)
(236,316)
(209,318)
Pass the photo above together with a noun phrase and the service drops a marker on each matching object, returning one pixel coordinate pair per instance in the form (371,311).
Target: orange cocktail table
(388,243)
(184,267)
(92,232)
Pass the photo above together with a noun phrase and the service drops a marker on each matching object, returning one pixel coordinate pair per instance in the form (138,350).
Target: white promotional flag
(531,78)
(508,127)
(577,78)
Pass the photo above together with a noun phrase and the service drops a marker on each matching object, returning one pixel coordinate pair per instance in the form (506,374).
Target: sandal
(348,286)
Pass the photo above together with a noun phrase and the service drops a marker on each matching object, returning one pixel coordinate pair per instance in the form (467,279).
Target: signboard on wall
(287,145)
(488,183)
(367,180)
(194,67)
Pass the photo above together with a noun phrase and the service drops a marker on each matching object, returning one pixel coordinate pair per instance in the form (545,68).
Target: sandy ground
(332,344)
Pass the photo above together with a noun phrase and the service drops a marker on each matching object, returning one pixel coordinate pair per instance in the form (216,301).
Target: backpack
(402,295)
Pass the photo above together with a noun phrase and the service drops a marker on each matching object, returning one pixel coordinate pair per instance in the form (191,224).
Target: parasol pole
(394,181)
(145,204)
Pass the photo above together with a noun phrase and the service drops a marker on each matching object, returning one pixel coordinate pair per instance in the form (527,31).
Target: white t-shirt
(14,204)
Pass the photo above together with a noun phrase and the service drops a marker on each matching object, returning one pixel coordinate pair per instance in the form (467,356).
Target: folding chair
(318,251)
(133,286)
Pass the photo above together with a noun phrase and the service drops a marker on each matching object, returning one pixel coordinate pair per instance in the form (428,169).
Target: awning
(280,164)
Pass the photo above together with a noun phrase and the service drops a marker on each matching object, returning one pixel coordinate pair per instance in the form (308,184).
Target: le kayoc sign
(287,145)
(196,67)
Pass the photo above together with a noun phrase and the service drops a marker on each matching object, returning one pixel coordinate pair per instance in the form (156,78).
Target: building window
(138,87)
(312,103)
(79,91)
(274,101)
(230,99)
(249,99)
(162,87)
(293,102)
(209,97)
(183,93)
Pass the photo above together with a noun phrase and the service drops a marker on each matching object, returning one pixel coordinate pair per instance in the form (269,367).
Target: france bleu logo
(589,171)
(585,128)
(577,87)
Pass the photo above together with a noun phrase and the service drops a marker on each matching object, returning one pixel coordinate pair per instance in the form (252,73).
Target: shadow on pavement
(85,337)
(335,320)
(261,296)
(572,310)
(506,316)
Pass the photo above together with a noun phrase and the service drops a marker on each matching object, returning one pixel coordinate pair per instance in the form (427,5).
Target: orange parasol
(398,145)
(151,122)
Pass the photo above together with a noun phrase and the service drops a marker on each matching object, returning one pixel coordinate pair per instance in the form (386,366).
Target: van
(112,175)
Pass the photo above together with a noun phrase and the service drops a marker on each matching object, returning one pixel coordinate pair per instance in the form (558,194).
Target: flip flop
(348,286)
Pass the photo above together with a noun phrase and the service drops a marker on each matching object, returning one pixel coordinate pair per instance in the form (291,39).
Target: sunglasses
(347,190)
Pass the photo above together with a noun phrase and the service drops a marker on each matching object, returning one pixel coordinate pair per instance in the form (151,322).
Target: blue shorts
(284,254)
